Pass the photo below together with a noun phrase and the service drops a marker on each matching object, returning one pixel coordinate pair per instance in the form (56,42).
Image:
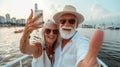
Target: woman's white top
(42,61)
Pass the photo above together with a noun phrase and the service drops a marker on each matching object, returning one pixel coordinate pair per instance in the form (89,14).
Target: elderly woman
(43,50)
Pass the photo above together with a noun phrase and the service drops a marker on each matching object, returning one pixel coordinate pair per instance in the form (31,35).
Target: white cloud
(98,11)
(103,15)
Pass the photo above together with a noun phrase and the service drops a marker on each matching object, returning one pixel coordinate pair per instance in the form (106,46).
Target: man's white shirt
(72,53)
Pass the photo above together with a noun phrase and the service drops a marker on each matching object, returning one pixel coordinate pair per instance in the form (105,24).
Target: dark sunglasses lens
(55,31)
(47,31)
(62,21)
(71,21)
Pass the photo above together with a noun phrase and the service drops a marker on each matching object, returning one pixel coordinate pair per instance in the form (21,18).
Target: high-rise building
(8,17)
(2,19)
(36,7)
(38,11)
(20,21)
(13,20)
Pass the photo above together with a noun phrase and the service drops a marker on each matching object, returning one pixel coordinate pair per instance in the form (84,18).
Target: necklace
(50,53)
(51,56)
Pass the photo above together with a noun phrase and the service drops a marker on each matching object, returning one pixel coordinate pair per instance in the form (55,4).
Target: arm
(25,46)
(95,43)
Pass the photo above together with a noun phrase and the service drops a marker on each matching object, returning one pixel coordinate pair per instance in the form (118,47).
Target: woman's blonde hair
(46,24)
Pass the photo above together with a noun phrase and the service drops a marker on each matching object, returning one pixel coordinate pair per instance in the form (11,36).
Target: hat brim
(59,14)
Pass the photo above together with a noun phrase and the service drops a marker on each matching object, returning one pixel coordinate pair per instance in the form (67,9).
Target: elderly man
(75,50)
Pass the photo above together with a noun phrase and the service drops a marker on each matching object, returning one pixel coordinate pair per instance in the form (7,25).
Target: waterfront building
(38,11)
(36,7)
(20,21)
(2,19)
(13,20)
(8,17)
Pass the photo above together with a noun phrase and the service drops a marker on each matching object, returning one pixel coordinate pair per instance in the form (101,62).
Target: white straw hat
(69,9)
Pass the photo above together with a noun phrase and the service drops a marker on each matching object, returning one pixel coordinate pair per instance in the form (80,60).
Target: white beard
(67,35)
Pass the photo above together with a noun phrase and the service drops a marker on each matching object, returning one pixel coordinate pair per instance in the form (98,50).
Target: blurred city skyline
(108,10)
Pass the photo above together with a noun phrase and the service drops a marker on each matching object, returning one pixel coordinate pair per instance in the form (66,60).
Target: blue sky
(94,9)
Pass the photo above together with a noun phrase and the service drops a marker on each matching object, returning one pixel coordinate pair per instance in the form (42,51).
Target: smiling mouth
(66,30)
(51,37)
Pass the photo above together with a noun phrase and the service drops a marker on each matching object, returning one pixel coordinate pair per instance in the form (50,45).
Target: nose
(66,23)
(51,33)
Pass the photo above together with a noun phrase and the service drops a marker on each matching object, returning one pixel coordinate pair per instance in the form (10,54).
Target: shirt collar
(74,36)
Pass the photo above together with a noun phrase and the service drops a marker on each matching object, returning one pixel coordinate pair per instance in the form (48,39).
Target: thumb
(94,45)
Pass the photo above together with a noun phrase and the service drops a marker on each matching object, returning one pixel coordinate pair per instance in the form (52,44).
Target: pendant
(51,56)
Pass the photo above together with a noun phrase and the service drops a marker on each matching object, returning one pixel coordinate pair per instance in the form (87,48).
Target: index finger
(31,15)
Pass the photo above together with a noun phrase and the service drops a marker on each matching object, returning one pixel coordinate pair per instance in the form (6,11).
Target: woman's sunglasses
(71,21)
(48,31)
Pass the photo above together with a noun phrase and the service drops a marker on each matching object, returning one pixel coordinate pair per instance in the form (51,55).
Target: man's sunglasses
(71,21)
(48,31)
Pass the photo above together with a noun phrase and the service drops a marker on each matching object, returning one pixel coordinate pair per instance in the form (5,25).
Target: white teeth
(67,29)
(51,37)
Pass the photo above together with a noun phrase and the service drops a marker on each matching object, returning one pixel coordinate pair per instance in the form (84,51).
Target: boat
(18,31)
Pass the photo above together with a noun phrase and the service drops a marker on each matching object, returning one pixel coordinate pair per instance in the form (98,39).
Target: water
(9,44)
(109,52)
(110,49)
